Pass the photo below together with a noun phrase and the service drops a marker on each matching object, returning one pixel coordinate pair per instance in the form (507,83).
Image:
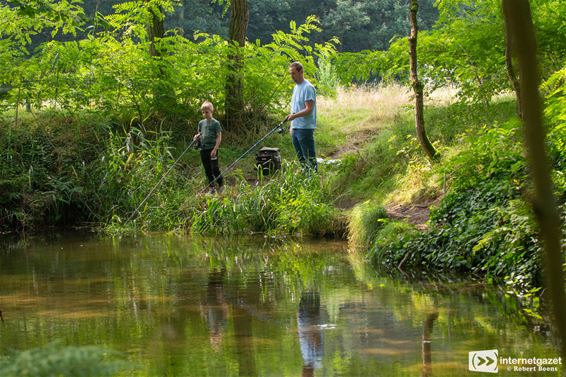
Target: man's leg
(298,147)
(306,141)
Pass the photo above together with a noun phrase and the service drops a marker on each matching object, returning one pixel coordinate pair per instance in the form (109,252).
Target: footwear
(212,190)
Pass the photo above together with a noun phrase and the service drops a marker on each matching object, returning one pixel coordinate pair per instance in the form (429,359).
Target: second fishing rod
(278,128)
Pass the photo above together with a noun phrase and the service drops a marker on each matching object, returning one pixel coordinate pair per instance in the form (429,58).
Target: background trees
(234,100)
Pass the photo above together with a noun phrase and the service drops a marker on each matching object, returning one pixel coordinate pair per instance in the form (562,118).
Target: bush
(366,220)
(482,226)
(390,243)
(45,172)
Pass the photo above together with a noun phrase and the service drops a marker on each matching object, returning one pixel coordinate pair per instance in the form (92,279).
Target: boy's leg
(216,171)
(207,164)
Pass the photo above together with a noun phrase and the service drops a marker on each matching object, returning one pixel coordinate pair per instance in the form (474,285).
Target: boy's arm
(197,136)
(217,145)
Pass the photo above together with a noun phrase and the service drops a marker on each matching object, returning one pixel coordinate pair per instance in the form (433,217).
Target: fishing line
(162,178)
(279,128)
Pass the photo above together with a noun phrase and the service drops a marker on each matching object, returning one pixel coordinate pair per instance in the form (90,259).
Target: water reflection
(427,344)
(184,307)
(215,308)
(244,307)
(310,332)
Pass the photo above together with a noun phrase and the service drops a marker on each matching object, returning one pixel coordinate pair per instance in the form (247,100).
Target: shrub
(366,220)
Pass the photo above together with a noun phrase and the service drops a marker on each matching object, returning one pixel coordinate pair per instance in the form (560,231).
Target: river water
(180,306)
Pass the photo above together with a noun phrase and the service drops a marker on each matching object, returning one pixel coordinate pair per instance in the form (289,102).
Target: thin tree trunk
(234,103)
(163,93)
(518,17)
(155,30)
(426,145)
(18,105)
(510,69)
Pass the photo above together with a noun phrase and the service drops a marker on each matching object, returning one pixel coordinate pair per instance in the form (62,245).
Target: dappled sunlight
(442,96)
(370,107)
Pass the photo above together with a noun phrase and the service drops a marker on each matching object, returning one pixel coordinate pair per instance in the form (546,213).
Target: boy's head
(207,109)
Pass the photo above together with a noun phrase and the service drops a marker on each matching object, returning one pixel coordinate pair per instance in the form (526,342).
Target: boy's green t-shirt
(208,130)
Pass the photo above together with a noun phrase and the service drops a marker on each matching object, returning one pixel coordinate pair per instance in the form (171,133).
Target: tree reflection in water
(427,344)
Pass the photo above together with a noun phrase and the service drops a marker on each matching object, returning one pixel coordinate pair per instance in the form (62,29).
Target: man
(303,117)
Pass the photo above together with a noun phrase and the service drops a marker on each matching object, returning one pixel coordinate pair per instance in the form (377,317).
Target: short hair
(298,66)
(207,105)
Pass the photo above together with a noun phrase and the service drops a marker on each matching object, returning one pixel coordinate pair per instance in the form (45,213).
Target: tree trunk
(155,30)
(234,102)
(164,99)
(518,17)
(510,69)
(426,145)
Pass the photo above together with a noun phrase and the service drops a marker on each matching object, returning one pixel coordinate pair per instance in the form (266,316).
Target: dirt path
(355,141)
(385,104)
(414,213)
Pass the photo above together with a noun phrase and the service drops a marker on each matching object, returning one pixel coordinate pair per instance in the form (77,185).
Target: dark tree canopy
(360,24)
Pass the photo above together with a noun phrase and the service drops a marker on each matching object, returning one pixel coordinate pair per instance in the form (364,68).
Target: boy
(210,136)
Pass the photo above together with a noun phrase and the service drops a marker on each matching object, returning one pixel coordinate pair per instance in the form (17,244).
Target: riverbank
(469,213)
(74,170)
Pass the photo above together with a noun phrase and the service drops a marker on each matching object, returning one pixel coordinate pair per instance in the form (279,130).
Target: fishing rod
(162,178)
(279,128)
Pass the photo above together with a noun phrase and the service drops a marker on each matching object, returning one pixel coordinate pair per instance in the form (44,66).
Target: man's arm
(309,106)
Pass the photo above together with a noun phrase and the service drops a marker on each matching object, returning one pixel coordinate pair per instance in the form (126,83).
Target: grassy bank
(63,170)
(86,170)
(480,222)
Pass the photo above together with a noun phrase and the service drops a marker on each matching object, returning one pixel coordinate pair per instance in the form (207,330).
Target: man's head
(297,73)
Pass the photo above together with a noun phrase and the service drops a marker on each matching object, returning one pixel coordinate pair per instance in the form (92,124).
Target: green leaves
(112,70)
(22,19)
(131,18)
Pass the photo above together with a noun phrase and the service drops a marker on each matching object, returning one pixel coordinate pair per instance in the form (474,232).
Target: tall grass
(354,115)
(290,202)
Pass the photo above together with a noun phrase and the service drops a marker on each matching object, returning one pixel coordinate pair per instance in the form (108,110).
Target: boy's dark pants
(211,168)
